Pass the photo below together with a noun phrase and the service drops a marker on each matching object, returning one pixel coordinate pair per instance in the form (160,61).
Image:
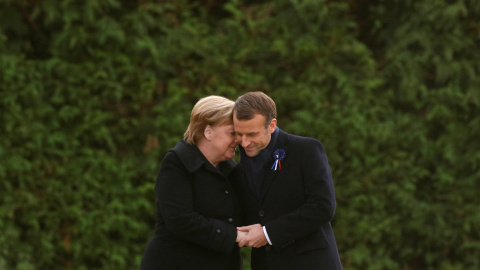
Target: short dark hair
(252,103)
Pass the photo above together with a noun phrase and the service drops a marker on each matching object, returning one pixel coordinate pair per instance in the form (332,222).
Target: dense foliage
(93,93)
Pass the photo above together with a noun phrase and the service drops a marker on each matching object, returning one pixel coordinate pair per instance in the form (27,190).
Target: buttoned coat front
(296,206)
(197,214)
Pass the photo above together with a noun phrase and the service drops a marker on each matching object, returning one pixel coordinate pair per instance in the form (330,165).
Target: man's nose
(245,142)
(241,140)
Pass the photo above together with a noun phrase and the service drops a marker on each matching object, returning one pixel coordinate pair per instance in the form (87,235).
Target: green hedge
(93,93)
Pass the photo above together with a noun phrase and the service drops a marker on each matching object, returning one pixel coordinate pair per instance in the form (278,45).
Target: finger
(242,242)
(244,229)
(248,226)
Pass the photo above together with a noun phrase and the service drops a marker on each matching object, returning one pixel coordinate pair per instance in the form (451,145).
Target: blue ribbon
(278,155)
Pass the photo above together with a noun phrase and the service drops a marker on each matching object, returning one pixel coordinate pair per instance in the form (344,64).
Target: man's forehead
(247,126)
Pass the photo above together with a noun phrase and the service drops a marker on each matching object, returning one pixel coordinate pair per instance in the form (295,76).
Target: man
(286,190)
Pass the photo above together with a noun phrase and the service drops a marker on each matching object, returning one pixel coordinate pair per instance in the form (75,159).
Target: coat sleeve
(318,207)
(175,201)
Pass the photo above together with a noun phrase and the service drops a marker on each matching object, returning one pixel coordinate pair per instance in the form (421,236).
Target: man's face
(252,134)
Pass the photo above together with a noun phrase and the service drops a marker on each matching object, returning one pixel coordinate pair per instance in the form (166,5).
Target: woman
(197,208)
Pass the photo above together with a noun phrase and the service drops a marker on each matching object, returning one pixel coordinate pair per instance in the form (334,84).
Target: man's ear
(208,132)
(272,126)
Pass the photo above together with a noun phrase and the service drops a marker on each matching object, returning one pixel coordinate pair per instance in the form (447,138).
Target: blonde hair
(211,110)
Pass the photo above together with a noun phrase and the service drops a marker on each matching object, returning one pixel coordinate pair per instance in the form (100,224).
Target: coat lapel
(282,143)
(245,185)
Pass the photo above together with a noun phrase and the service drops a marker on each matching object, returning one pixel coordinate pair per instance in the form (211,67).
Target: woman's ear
(208,132)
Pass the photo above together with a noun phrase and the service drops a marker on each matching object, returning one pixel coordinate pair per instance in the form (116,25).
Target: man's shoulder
(302,140)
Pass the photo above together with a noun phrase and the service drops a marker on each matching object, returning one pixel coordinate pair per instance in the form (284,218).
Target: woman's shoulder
(186,154)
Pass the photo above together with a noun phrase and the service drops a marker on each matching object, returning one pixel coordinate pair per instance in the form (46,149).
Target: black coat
(197,214)
(296,205)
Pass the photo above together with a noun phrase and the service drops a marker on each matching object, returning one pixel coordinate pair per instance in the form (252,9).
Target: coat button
(267,248)
(219,231)
(261,213)
(230,220)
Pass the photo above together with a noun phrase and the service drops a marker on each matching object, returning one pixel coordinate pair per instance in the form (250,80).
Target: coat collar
(193,159)
(282,143)
(282,140)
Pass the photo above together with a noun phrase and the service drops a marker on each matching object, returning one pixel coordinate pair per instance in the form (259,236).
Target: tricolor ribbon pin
(278,155)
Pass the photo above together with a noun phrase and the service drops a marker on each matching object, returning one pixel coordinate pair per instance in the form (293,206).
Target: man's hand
(255,237)
(240,236)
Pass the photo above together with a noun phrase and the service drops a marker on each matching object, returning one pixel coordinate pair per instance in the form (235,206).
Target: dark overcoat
(296,206)
(197,214)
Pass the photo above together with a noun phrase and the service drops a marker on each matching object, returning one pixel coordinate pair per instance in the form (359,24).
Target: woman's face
(223,142)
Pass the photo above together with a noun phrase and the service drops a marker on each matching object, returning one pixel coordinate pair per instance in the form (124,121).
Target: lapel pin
(278,155)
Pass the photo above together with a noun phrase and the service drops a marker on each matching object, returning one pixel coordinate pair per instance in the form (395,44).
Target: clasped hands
(251,236)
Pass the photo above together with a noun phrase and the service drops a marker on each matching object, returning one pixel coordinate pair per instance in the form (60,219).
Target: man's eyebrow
(248,133)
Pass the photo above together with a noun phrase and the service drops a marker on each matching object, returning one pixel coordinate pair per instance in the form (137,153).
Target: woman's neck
(205,148)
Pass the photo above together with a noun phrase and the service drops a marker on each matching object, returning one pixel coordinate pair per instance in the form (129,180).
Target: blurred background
(93,93)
